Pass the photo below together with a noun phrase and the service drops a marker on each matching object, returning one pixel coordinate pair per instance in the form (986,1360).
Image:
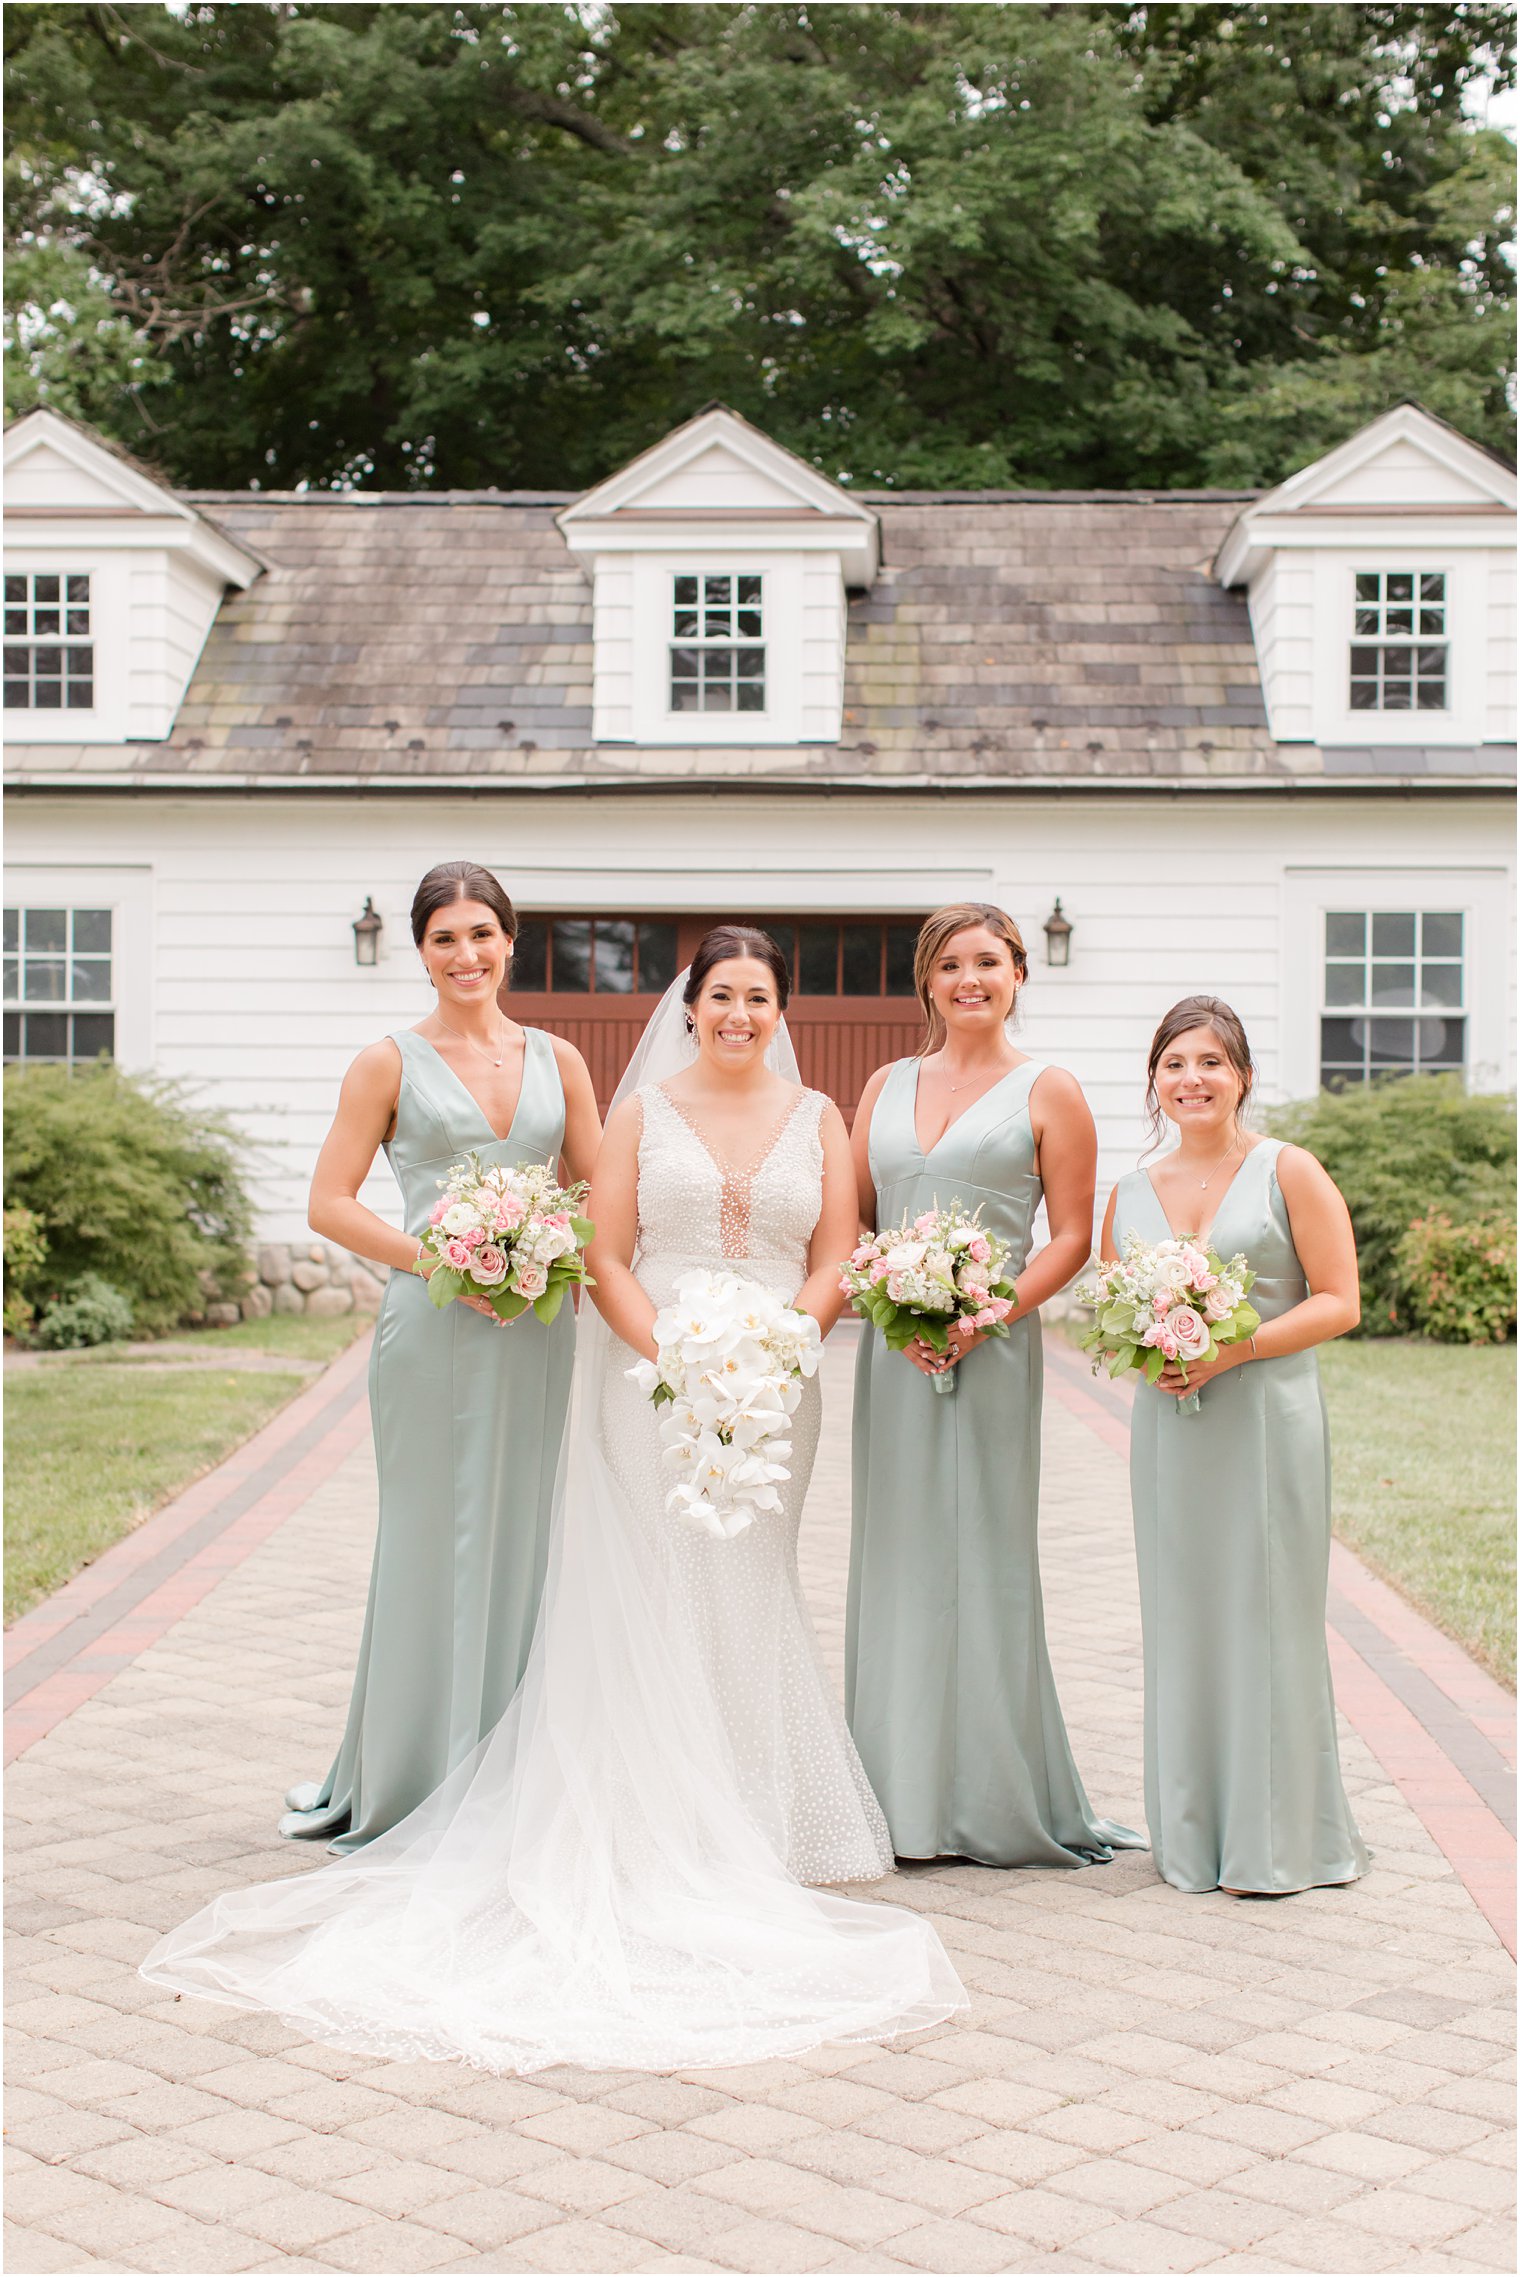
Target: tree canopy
(954,246)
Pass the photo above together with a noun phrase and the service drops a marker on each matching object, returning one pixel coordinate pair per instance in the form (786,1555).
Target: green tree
(939,245)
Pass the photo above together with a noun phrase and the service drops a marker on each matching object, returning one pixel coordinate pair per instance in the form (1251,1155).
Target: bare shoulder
(830,1120)
(871,1091)
(569,1061)
(378,1063)
(624,1126)
(1056,1093)
(1300,1172)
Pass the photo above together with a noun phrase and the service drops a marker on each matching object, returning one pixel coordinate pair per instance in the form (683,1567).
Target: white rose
(460,1218)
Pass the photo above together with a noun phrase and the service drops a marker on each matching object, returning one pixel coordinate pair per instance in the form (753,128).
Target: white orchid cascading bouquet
(1167,1301)
(511,1235)
(937,1276)
(732,1362)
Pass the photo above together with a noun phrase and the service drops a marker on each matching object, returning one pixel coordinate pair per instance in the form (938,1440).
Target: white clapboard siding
(247,986)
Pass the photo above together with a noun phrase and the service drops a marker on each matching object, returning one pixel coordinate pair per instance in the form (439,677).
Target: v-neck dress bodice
(1232,1539)
(949,1688)
(468,1419)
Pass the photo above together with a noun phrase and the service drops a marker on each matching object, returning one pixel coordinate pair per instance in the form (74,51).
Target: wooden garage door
(596,980)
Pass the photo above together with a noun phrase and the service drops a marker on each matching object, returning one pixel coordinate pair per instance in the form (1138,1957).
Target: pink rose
(1161,1306)
(1195,1265)
(864,1255)
(963,1328)
(1000,1307)
(474,1237)
(490,1265)
(1190,1331)
(532,1280)
(510,1212)
(456,1254)
(878,1269)
(984,1318)
(979,1250)
(437,1210)
(895,1287)
(925,1224)
(1217,1307)
(560,1218)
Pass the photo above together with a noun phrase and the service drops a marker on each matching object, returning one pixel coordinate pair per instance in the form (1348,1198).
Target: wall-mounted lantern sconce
(367,930)
(1057,937)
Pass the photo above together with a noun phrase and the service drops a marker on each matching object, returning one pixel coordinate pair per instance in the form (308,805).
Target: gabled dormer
(111,586)
(719,564)
(1382,590)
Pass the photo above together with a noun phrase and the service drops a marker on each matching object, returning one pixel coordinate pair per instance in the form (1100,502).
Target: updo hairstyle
(1201,1012)
(958,917)
(449,882)
(725,941)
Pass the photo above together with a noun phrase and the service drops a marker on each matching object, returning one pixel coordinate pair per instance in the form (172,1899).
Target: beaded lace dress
(617,1878)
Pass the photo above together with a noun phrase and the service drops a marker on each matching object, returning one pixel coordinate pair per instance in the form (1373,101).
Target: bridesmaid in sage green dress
(949,1689)
(1232,1500)
(468,1415)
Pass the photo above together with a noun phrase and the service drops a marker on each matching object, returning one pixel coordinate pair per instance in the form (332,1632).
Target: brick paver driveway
(1145,2081)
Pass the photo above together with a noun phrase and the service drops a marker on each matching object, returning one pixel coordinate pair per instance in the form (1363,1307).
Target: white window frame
(1482,896)
(127,891)
(1462,719)
(108,719)
(654,576)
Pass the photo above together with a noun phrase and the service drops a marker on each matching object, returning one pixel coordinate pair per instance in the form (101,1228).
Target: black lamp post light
(368,926)
(1058,931)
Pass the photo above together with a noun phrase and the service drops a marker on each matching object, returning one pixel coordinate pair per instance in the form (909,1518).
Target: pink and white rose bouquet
(939,1275)
(1167,1301)
(512,1235)
(732,1362)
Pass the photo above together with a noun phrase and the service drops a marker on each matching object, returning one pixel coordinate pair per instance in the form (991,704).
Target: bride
(617,1877)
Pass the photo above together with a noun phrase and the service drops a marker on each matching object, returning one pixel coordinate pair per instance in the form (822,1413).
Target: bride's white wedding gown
(616,1877)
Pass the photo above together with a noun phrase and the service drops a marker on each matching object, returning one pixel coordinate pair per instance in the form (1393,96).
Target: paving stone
(489,2217)
(1142,2246)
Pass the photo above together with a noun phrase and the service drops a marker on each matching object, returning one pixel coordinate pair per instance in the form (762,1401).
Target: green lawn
(96,1441)
(1423,1437)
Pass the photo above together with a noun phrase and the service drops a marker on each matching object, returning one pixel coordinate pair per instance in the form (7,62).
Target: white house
(1262,745)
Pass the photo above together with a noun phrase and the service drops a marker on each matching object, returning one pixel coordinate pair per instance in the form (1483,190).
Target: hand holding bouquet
(937,1276)
(1167,1301)
(512,1237)
(732,1359)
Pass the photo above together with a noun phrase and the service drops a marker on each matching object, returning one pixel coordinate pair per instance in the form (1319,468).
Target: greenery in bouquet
(938,1275)
(511,1235)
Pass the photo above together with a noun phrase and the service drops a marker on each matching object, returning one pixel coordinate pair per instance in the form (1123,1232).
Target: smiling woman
(468,1419)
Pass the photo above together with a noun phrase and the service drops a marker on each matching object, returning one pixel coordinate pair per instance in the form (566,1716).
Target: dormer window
(1398,653)
(49,654)
(716,661)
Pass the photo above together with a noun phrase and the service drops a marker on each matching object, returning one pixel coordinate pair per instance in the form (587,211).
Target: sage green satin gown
(949,1689)
(468,1419)
(1232,1538)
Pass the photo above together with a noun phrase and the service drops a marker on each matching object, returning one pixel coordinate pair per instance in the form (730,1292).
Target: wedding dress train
(616,1878)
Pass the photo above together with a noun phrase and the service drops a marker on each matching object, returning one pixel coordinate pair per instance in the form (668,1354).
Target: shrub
(25,1250)
(1458,1281)
(128,1181)
(1399,1150)
(93,1313)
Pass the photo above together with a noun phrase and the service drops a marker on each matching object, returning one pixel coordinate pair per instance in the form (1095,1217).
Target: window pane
(750,663)
(92,932)
(686,592)
(683,664)
(1345,984)
(1441,933)
(1364,661)
(1432,696)
(1367,621)
(1340,1043)
(614,956)
(13,1035)
(1345,933)
(1369,585)
(45,589)
(12,928)
(749,591)
(94,1033)
(1433,585)
(1393,984)
(686,625)
(1364,696)
(92,980)
(1432,620)
(818,960)
(901,942)
(15,624)
(47,696)
(1398,696)
(81,695)
(530,954)
(1430,663)
(12,980)
(717,699)
(572,955)
(1443,1044)
(47,621)
(862,960)
(47,929)
(1399,623)
(78,589)
(716,592)
(1390,1043)
(1440,984)
(45,1035)
(657,957)
(44,982)
(685,696)
(751,696)
(1400,585)
(1393,933)
(15,590)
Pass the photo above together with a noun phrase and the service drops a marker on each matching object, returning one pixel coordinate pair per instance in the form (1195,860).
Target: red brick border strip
(64,1651)
(1439,1725)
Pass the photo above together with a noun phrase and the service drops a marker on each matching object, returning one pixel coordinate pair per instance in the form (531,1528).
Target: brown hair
(725,941)
(958,917)
(449,882)
(1200,1012)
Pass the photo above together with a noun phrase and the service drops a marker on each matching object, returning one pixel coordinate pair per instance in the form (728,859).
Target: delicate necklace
(483,1049)
(966,1086)
(1204,1183)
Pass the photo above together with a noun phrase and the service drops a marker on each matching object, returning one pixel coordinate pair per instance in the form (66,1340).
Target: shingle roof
(399,639)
